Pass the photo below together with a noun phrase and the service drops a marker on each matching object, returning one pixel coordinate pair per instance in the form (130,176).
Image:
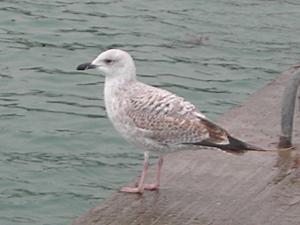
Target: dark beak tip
(83,66)
(86,66)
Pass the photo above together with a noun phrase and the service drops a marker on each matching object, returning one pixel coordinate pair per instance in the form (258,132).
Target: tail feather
(234,146)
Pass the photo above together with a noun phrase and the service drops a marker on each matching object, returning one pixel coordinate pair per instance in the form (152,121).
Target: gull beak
(86,66)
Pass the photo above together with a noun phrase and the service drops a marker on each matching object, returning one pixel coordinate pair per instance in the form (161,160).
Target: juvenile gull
(154,119)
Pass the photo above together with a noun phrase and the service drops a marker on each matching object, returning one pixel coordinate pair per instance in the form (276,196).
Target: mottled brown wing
(170,129)
(217,135)
(167,118)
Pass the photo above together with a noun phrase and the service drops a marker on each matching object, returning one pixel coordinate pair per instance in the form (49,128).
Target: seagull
(154,119)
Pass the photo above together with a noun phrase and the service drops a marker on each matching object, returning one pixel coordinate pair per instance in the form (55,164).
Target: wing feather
(169,119)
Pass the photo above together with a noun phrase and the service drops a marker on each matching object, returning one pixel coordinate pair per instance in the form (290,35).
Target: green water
(59,155)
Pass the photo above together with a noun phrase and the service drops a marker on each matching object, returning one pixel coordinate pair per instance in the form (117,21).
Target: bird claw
(139,190)
(151,187)
(136,190)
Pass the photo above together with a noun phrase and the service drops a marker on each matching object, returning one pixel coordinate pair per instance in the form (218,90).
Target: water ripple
(36,92)
(22,11)
(43,110)
(75,104)
(192,78)
(28,44)
(82,160)
(196,89)
(10,115)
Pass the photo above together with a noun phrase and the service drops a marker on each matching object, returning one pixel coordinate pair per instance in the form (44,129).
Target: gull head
(112,63)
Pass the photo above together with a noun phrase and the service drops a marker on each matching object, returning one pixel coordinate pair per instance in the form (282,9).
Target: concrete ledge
(215,188)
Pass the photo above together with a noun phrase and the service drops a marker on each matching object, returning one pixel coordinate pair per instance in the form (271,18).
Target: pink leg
(156,185)
(140,187)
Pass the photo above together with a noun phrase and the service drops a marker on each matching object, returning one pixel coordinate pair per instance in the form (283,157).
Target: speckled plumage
(154,119)
(157,120)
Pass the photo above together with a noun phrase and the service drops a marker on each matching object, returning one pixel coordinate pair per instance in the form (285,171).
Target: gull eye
(108,61)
